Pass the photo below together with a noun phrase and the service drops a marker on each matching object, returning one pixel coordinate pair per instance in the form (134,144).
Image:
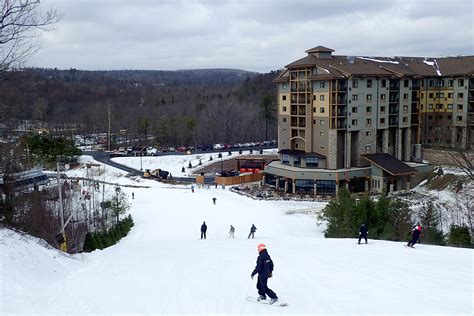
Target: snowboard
(410,246)
(267,302)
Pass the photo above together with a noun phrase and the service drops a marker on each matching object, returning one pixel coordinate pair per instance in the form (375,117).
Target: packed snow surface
(163,267)
(175,163)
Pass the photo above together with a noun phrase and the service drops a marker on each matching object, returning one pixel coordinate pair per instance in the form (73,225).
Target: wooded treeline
(186,107)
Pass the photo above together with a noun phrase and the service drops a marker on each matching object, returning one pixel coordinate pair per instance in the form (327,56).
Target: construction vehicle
(157,174)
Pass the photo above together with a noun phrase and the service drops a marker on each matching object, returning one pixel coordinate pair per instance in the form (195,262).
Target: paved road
(105,158)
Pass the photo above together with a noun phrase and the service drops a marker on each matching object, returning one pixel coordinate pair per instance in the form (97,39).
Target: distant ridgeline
(185,107)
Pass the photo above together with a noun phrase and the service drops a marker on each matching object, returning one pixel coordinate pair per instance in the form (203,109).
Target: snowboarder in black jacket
(252,231)
(363,231)
(264,268)
(203,230)
(414,235)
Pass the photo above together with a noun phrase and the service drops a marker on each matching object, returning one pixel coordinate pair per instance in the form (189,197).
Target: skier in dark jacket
(203,230)
(415,234)
(363,231)
(264,268)
(252,231)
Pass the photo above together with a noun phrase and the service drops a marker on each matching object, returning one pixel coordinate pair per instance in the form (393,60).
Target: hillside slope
(163,266)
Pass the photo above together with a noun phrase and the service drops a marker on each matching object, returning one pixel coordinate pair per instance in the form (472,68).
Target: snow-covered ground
(163,267)
(175,163)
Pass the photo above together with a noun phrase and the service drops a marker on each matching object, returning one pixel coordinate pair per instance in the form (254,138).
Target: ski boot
(273,300)
(261,298)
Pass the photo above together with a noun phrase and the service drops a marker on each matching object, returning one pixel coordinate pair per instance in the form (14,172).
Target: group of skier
(253,229)
(415,234)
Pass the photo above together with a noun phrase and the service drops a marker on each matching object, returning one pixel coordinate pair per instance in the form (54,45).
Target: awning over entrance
(389,164)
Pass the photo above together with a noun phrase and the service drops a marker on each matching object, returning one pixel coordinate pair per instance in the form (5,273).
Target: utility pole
(108,114)
(61,211)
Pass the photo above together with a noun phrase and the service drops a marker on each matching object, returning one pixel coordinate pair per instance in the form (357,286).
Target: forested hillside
(178,107)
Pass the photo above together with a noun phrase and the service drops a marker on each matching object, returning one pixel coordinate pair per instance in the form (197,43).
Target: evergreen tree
(459,236)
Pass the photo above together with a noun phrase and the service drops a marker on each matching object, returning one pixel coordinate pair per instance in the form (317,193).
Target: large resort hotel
(361,122)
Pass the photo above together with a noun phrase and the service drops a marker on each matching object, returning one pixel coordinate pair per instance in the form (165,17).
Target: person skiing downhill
(264,268)
(363,231)
(203,230)
(415,234)
(252,231)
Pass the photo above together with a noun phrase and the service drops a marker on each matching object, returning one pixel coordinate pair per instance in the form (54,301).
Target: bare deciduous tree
(464,159)
(20,23)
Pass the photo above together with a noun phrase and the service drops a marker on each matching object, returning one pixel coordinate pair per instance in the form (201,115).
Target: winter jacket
(264,265)
(203,228)
(416,231)
(363,231)
(253,229)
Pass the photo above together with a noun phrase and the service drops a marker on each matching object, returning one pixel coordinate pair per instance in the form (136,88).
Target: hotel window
(459,118)
(405,97)
(284,120)
(368,148)
(460,82)
(321,110)
(312,162)
(382,97)
(405,108)
(283,97)
(459,106)
(440,83)
(354,122)
(382,121)
(406,83)
(314,97)
(314,122)
(440,95)
(354,109)
(431,83)
(355,83)
(439,106)
(450,95)
(368,133)
(297,160)
(284,86)
(321,133)
(369,83)
(321,97)
(450,82)
(369,97)
(384,83)
(322,84)
(450,106)
(382,109)
(284,109)
(431,95)
(430,106)
(460,96)
(321,122)
(369,122)
(405,119)
(368,110)
(354,97)
(285,159)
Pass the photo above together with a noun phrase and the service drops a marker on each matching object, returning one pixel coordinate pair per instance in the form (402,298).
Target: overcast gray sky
(247,34)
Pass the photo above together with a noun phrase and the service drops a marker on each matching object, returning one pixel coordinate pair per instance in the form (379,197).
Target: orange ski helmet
(261,247)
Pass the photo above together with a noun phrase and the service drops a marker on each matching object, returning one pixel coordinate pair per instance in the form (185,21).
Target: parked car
(151,151)
(182,149)
(172,149)
(218,146)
